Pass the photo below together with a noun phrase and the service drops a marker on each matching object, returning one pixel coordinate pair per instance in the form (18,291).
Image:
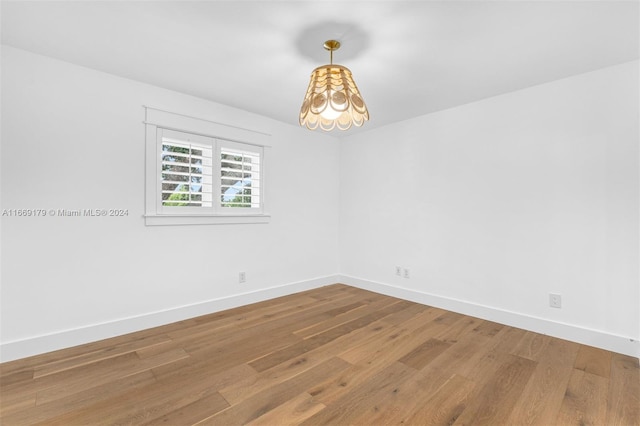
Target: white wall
(75,279)
(491,206)
(495,204)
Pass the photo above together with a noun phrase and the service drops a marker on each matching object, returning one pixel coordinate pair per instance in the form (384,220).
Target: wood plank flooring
(330,356)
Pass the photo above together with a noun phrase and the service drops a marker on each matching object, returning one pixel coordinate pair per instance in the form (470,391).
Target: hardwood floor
(330,356)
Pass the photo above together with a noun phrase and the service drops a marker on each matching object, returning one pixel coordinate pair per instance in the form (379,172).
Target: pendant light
(333,99)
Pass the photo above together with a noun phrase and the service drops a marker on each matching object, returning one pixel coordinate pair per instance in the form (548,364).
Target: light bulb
(330,114)
(334,98)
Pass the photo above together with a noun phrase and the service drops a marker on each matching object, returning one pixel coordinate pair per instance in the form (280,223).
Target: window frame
(201,132)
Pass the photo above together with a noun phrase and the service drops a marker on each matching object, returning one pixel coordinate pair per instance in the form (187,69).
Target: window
(198,179)
(187,172)
(240,178)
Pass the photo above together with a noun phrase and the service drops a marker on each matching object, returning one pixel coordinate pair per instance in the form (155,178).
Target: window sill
(163,220)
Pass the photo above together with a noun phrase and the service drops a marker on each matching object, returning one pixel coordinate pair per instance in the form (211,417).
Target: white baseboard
(620,344)
(67,338)
(90,333)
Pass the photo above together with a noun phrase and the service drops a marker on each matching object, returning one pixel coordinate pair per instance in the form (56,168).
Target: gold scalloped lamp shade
(333,99)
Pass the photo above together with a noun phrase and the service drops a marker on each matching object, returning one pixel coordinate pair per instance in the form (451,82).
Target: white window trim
(159,119)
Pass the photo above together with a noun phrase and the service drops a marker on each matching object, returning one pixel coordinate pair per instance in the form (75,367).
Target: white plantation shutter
(187,174)
(201,175)
(240,176)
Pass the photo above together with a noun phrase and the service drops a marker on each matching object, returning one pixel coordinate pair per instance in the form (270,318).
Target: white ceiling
(408,57)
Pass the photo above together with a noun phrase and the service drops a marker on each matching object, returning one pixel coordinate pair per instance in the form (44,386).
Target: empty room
(320,212)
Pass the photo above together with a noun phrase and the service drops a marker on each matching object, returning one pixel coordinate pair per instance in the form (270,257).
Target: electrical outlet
(398,271)
(406,273)
(242,277)
(555,300)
